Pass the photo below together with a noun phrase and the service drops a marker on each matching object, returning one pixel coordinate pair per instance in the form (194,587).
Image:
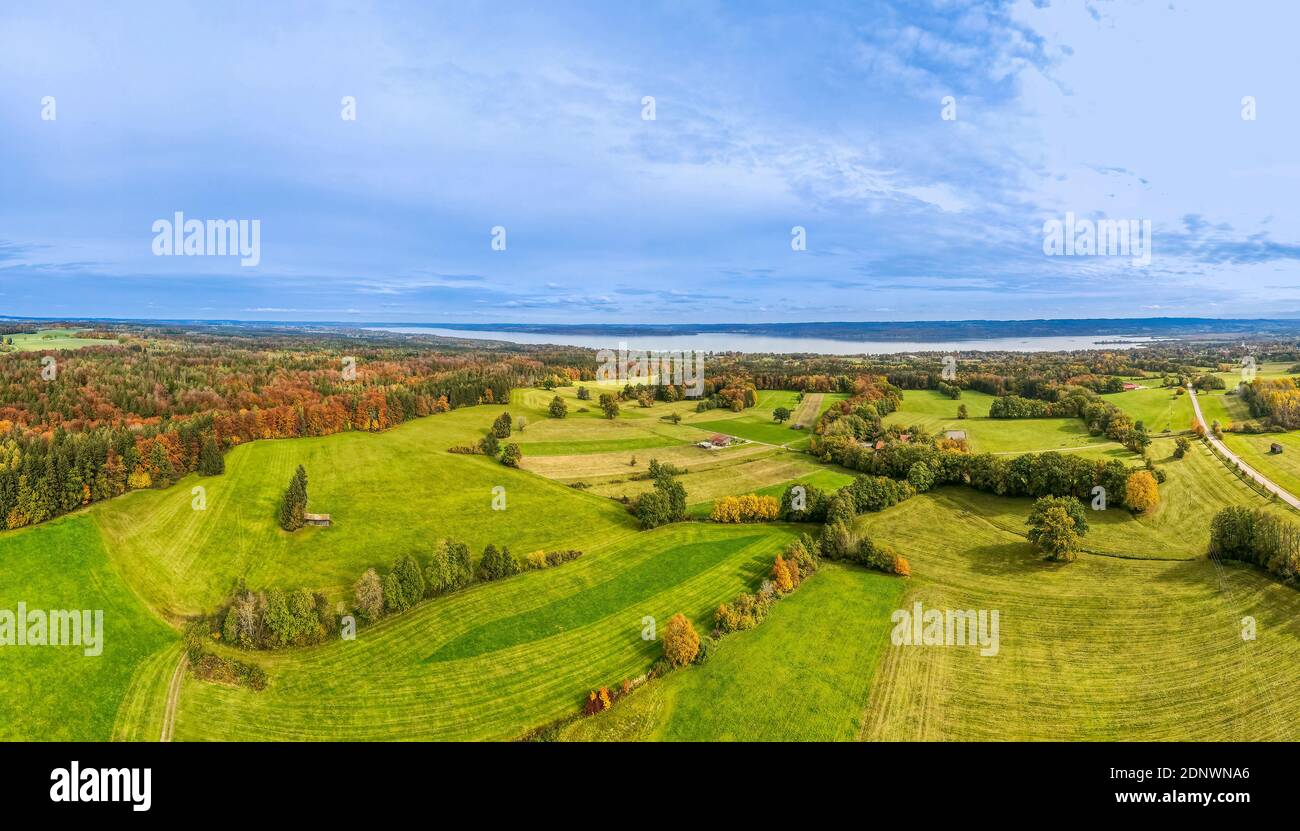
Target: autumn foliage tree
(681,642)
(1141,492)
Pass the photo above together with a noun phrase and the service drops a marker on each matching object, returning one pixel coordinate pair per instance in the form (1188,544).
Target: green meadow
(498,660)
(937,413)
(1104,648)
(1161,410)
(59,693)
(388,494)
(766,684)
(51,339)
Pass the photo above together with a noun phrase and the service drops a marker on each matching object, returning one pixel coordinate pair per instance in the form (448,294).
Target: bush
(511,456)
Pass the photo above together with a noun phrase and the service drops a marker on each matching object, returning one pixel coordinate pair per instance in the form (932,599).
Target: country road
(1268,484)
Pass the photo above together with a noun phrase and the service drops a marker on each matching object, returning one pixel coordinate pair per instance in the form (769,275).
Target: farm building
(1275,448)
(316,519)
(1129,386)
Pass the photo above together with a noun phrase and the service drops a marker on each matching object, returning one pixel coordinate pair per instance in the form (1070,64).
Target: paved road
(1268,484)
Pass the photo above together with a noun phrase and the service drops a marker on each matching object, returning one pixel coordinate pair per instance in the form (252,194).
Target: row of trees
(747,508)
(1256,536)
(278,618)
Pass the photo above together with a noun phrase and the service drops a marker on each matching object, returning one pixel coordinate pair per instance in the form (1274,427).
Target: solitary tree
(681,642)
(961,411)
(1140,491)
(1056,525)
(609,405)
(501,427)
(584,394)
(780,415)
(369,595)
(293,505)
(558,408)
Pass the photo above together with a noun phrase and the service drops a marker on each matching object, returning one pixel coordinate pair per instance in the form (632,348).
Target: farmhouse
(316,519)
(1130,386)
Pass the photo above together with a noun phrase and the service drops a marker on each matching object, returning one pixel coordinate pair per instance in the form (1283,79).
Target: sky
(922,147)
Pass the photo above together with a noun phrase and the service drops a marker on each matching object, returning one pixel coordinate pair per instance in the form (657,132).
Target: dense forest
(152,405)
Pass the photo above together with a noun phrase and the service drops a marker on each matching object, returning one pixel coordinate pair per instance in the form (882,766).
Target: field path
(808,410)
(173,697)
(1269,485)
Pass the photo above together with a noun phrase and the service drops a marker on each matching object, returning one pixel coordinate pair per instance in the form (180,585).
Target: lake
(729,342)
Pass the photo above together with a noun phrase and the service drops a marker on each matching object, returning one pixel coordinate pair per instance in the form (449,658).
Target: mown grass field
(1100,649)
(1159,409)
(58,693)
(766,684)
(498,659)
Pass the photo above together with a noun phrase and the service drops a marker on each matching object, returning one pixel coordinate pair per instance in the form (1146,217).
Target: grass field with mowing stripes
(766,684)
(506,657)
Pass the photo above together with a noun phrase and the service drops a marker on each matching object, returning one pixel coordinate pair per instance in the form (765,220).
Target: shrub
(558,409)
(781,575)
(511,456)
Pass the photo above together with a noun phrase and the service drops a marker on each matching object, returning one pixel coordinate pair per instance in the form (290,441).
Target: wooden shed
(1275,448)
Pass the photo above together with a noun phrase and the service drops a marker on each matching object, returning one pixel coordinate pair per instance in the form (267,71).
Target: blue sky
(826,116)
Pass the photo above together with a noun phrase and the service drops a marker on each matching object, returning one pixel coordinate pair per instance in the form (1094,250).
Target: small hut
(1275,448)
(316,519)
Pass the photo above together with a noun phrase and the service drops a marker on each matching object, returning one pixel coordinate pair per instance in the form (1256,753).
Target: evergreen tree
(211,462)
(501,426)
(294,503)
